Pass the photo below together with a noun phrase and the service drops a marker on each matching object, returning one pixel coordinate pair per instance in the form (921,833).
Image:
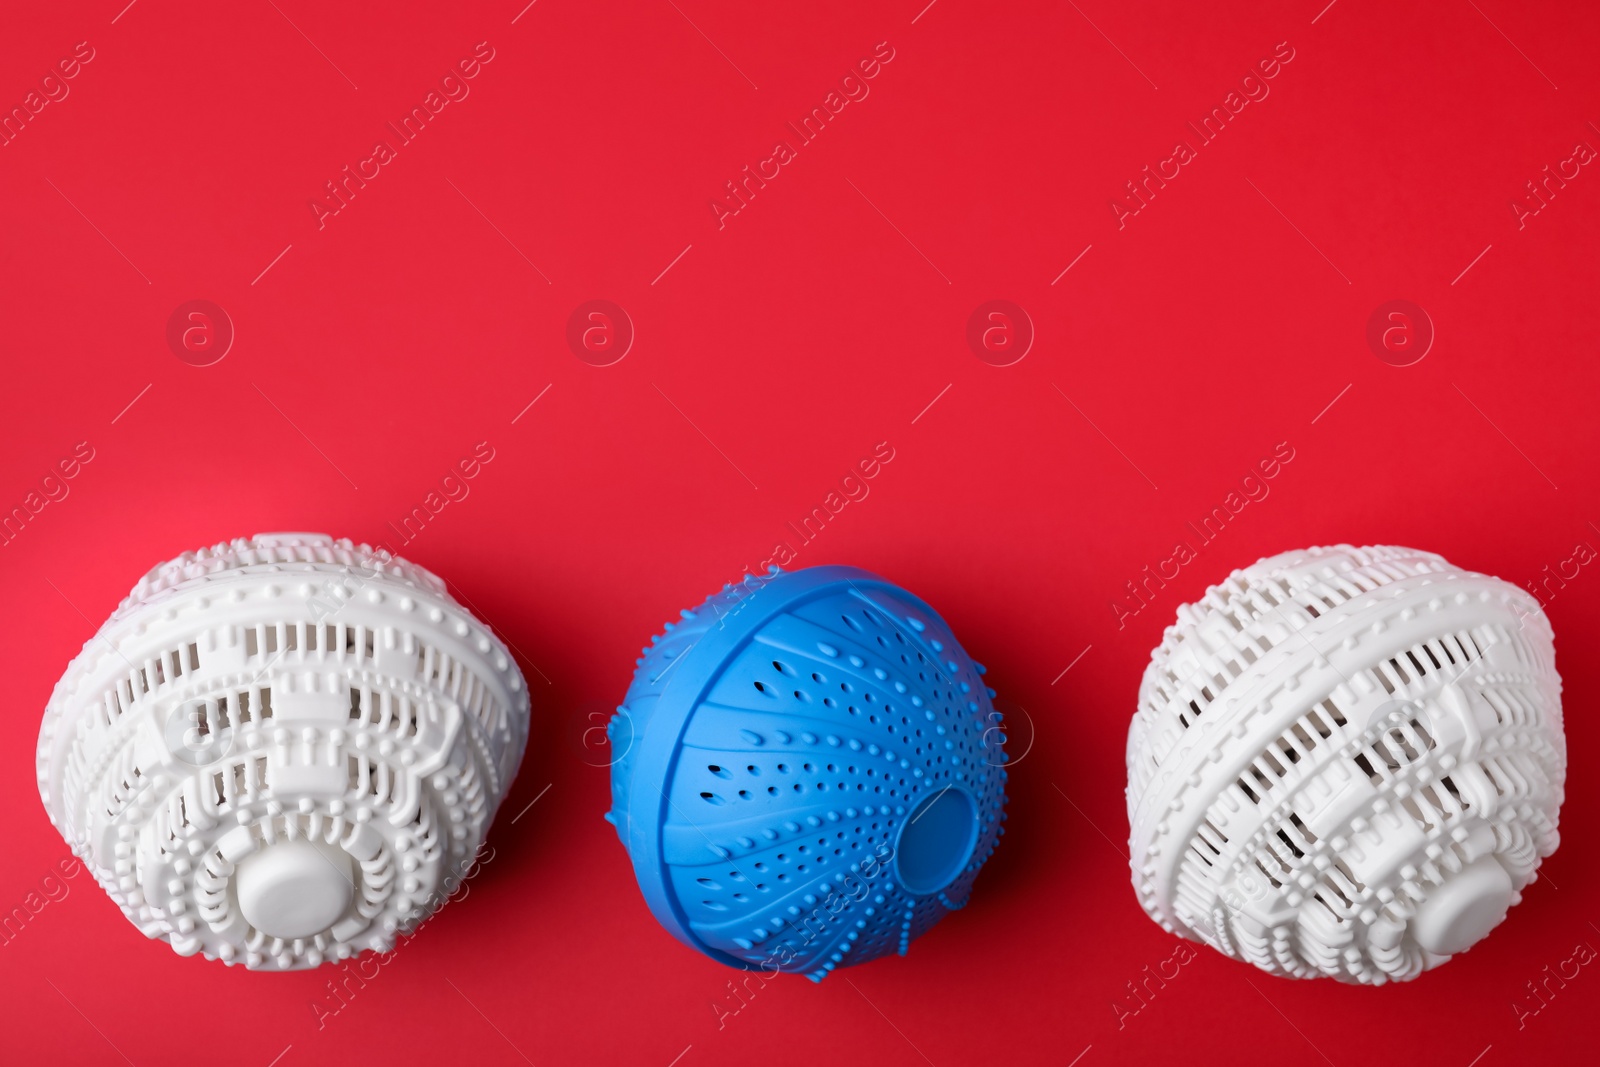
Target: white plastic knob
(295,888)
(283,750)
(1346,762)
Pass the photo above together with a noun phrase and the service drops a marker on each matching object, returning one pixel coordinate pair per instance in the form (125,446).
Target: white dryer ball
(1346,762)
(283,750)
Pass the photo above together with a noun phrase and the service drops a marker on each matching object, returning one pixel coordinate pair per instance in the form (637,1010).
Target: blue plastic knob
(810,772)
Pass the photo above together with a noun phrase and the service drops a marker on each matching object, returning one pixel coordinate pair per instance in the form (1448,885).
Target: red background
(379,349)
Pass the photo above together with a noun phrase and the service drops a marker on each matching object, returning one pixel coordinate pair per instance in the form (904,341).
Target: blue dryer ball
(809,772)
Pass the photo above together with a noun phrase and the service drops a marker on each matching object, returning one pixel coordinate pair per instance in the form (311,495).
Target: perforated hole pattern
(798,769)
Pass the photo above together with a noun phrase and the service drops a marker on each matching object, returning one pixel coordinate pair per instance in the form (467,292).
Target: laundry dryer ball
(811,772)
(282,750)
(1346,762)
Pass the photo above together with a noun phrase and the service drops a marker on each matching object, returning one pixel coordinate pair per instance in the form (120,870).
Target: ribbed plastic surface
(810,772)
(1346,762)
(282,750)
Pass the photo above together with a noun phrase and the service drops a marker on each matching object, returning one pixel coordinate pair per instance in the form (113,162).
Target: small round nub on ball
(1461,912)
(294,889)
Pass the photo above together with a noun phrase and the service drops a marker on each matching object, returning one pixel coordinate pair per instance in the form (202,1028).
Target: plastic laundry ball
(811,772)
(1346,762)
(283,750)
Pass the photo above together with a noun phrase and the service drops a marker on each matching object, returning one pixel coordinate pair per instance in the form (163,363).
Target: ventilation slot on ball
(1394,749)
(169,665)
(128,779)
(1212,839)
(152,677)
(372,780)
(1432,807)
(239,783)
(1338,891)
(459,682)
(210,716)
(385,711)
(1511,706)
